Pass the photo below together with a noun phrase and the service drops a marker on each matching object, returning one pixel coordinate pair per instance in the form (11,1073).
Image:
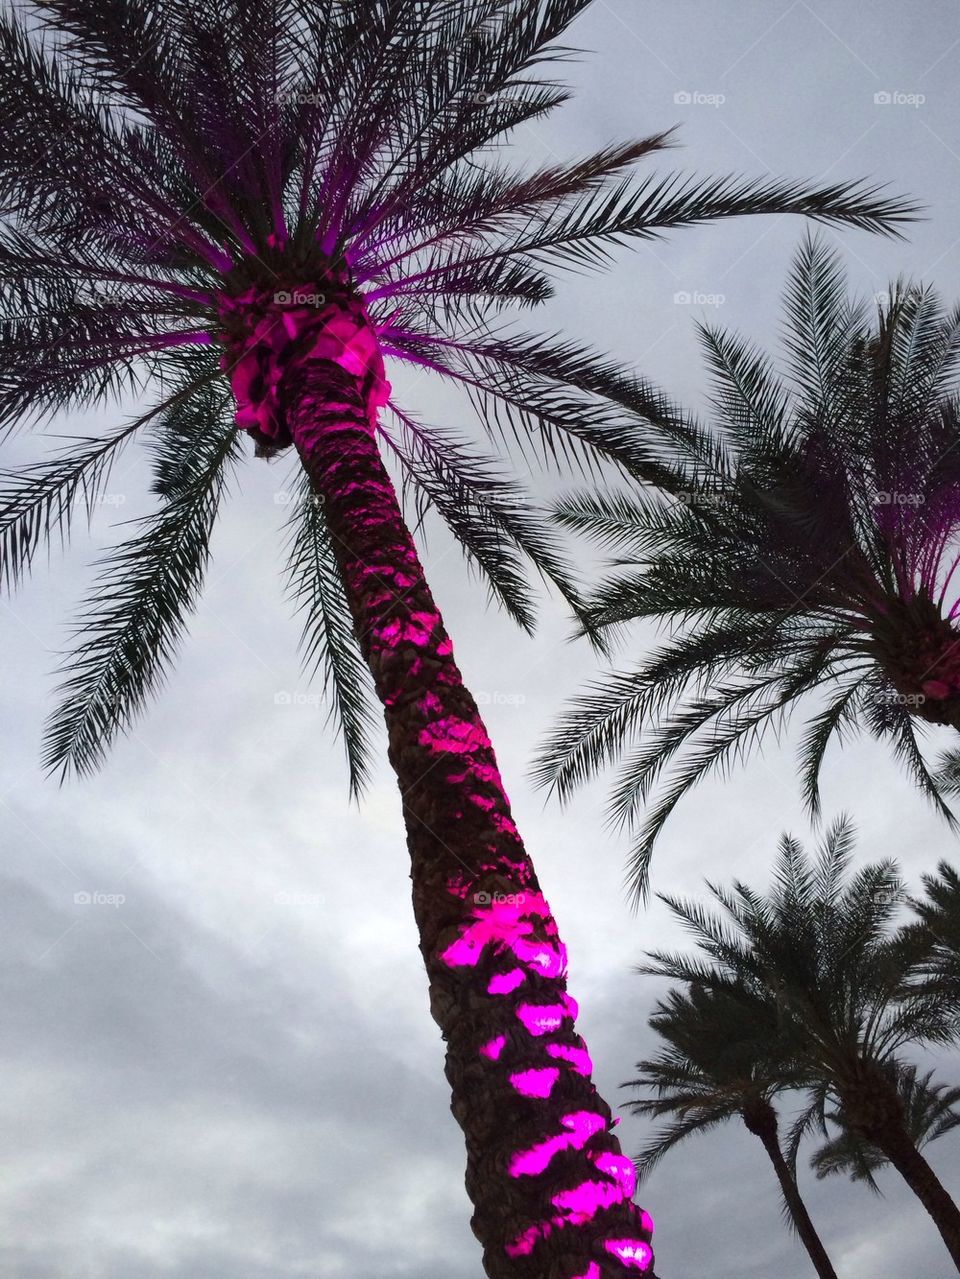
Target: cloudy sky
(223,1064)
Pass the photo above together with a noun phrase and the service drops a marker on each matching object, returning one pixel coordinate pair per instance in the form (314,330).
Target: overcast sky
(232,1072)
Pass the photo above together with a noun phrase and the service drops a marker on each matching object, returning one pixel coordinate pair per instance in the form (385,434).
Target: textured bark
(551,1188)
(873,1106)
(918,650)
(898,1146)
(761,1120)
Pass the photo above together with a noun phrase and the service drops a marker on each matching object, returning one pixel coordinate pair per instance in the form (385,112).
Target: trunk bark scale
(551,1188)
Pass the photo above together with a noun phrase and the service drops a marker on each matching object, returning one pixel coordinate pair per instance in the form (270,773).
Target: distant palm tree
(243,209)
(929,1111)
(718,1063)
(805,550)
(939,923)
(819,954)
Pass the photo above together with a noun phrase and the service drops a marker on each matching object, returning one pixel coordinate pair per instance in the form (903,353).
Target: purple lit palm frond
(159,156)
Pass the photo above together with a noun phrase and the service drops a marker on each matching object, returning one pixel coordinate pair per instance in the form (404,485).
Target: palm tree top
(805,544)
(714,1062)
(939,927)
(930,1111)
(820,954)
(172,172)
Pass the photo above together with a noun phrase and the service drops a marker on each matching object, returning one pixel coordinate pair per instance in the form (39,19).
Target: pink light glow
(542,1019)
(646,1222)
(524,1244)
(537,1082)
(416,630)
(340,333)
(465,952)
(631,1252)
(482,772)
(454,735)
(578,1058)
(503,983)
(494,1048)
(581,1126)
(592,1272)
(502,922)
(585,1201)
(547,960)
(620,1168)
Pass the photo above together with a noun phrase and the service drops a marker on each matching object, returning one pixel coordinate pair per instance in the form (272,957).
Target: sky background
(233,1071)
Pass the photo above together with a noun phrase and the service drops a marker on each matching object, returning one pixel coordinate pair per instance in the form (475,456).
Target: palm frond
(130,627)
(328,640)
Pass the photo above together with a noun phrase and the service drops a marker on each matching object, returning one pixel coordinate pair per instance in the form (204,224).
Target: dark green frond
(328,641)
(129,629)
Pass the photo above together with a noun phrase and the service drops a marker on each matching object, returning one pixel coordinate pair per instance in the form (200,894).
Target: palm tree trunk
(551,1189)
(796,1207)
(898,1146)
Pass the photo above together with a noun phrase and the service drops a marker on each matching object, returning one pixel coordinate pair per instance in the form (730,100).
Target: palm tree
(939,924)
(819,953)
(929,1112)
(242,210)
(719,1062)
(802,549)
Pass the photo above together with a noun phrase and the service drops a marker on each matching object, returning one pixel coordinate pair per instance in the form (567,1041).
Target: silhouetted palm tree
(242,210)
(819,953)
(806,551)
(720,1062)
(929,1112)
(939,913)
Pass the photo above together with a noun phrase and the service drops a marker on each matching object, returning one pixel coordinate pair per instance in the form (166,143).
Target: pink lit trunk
(551,1188)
